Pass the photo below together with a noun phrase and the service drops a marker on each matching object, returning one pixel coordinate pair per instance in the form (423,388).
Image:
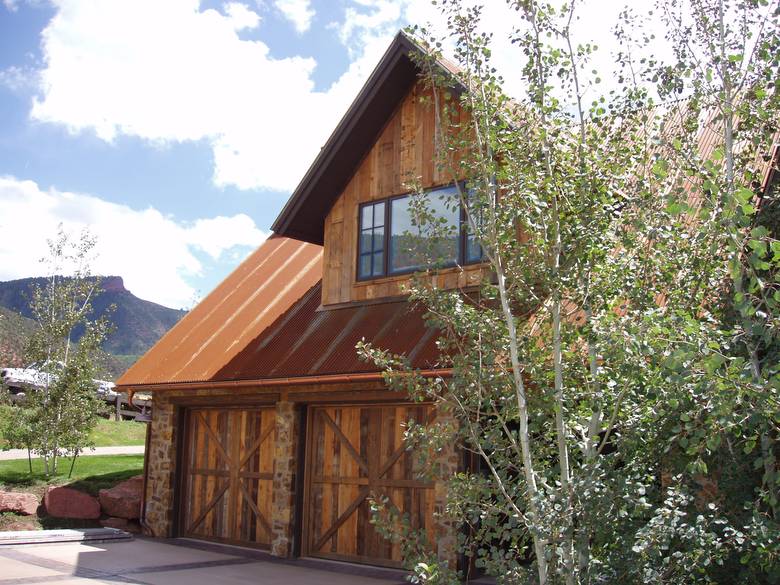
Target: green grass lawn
(115,433)
(91,473)
(107,433)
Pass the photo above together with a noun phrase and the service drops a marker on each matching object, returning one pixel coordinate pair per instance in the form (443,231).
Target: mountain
(14,331)
(138,324)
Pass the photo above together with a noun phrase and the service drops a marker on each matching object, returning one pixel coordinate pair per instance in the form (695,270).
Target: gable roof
(304,214)
(240,308)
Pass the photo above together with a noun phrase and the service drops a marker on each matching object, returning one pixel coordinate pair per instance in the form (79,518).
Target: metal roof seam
(215,308)
(187,325)
(237,312)
(339,338)
(266,283)
(276,328)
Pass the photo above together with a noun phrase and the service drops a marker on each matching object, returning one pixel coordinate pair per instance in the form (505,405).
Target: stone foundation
(448,464)
(161,464)
(284,479)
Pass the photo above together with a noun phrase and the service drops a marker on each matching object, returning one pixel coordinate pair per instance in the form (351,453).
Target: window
(391,244)
(371,261)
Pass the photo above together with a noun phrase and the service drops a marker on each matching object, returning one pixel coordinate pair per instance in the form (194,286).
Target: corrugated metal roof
(236,312)
(306,341)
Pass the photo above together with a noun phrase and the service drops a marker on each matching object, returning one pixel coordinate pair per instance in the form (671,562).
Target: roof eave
(370,109)
(276,382)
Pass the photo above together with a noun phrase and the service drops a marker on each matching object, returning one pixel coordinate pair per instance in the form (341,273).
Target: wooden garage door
(228,475)
(354,451)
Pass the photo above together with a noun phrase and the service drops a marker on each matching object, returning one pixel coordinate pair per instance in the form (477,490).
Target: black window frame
(462,238)
(373,252)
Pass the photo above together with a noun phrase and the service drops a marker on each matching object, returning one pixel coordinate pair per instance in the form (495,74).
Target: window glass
(472,251)
(367,217)
(371,244)
(412,246)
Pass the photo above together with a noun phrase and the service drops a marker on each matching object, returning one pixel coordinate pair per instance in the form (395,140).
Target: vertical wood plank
(218,442)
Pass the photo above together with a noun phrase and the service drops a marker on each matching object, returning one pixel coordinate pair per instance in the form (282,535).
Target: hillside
(138,324)
(14,330)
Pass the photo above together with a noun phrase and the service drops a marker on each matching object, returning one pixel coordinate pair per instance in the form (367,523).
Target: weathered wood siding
(402,155)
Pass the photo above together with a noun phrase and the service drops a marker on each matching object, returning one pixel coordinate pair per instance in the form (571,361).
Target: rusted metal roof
(310,341)
(236,312)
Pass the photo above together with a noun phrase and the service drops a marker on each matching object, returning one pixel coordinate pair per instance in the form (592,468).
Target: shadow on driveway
(172,562)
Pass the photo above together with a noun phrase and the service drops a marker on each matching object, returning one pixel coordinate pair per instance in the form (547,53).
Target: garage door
(352,452)
(228,475)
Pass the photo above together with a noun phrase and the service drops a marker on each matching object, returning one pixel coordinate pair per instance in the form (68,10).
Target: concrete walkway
(130,450)
(171,562)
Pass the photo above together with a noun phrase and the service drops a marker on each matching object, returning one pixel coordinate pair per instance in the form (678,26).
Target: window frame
(388,201)
(373,252)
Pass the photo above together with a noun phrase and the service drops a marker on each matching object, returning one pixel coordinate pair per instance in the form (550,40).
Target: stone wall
(161,463)
(448,464)
(282,518)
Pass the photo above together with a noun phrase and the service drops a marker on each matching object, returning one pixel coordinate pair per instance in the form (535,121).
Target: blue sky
(175,130)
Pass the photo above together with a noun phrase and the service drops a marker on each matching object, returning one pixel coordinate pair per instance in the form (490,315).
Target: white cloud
(369,19)
(298,12)
(13,5)
(154,253)
(366,21)
(169,72)
(21,79)
(241,16)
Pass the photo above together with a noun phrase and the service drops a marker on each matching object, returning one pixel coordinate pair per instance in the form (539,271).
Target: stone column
(282,516)
(447,463)
(161,462)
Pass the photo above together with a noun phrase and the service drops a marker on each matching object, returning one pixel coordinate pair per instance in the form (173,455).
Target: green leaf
(660,168)
(743,195)
(674,208)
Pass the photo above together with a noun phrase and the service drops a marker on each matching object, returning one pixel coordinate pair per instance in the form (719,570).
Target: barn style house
(267,430)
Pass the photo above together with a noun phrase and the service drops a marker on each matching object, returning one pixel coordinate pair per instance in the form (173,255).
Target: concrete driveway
(171,562)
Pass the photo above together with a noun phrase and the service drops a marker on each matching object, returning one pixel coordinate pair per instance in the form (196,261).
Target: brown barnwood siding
(402,155)
(354,452)
(228,475)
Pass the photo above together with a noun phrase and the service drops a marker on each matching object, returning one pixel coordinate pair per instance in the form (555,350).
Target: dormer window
(391,244)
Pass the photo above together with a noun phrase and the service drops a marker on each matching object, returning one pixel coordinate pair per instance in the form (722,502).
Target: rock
(113,522)
(122,524)
(19,525)
(18,503)
(65,502)
(124,499)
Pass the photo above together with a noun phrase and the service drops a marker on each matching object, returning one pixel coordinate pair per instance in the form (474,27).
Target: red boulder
(65,502)
(124,499)
(18,503)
